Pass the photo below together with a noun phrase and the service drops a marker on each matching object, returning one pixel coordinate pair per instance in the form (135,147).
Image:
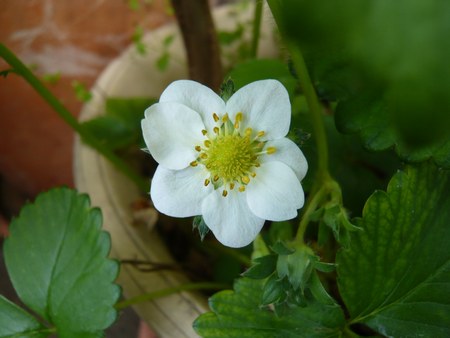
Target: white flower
(229,162)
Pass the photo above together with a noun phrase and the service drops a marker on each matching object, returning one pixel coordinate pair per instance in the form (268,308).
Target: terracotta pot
(134,75)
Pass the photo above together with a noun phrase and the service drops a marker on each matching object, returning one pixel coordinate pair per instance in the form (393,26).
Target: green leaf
(262,267)
(395,277)
(120,127)
(82,93)
(260,69)
(163,61)
(239,314)
(199,223)
(281,249)
(385,62)
(56,256)
(15,322)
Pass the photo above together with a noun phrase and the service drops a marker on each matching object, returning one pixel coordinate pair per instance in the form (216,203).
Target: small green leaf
(274,291)
(260,69)
(227,89)
(281,249)
(168,40)
(15,322)
(395,276)
(120,127)
(263,267)
(163,61)
(56,256)
(199,224)
(81,92)
(239,314)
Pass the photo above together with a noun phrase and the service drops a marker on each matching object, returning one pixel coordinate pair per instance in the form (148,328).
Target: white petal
(179,193)
(230,219)
(275,193)
(288,153)
(265,106)
(171,132)
(196,96)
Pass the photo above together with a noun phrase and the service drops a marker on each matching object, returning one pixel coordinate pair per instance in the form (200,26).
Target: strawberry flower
(227,161)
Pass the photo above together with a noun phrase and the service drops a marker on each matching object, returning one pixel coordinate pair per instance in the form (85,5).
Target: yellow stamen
(231,186)
(216,130)
(216,178)
(198,148)
(242,188)
(193,163)
(271,150)
(204,156)
(253,174)
(215,117)
(225,118)
(207,182)
(204,132)
(224,193)
(248,131)
(207,143)
(260,133)
(246,179)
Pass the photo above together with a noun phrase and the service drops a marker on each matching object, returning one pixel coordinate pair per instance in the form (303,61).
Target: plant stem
(169,291)
(321,186)
(256,28)
(315,109)
(65,114)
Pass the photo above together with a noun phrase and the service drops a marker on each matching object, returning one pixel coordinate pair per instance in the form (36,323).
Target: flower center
(231,156)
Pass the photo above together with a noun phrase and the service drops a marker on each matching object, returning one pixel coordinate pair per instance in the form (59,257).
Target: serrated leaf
(56,256)
(15,322)
(395,277)
(239,314)
(262,267)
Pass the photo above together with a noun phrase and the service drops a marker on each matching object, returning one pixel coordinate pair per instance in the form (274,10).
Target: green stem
(311,206)
(169,291)
(256,28)
(65,114)
(320,188)
(315,109)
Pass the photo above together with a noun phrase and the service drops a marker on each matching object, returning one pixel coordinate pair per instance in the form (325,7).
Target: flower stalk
(65,114)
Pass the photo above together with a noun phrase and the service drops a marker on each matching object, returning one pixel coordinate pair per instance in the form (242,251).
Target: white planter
(134,75)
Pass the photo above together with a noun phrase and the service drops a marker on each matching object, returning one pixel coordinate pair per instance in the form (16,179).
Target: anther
(198,148)
(246,179)
(204,132)
(207,143)
(225,118)
(231,186)
(215,117)
(260,133)
(242,188)
(238,117)
(216,130)
(248,131)
(271,150)
(193,163)
(207,182)
(224,193)
(216,178)
(253,174)
(204,156)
